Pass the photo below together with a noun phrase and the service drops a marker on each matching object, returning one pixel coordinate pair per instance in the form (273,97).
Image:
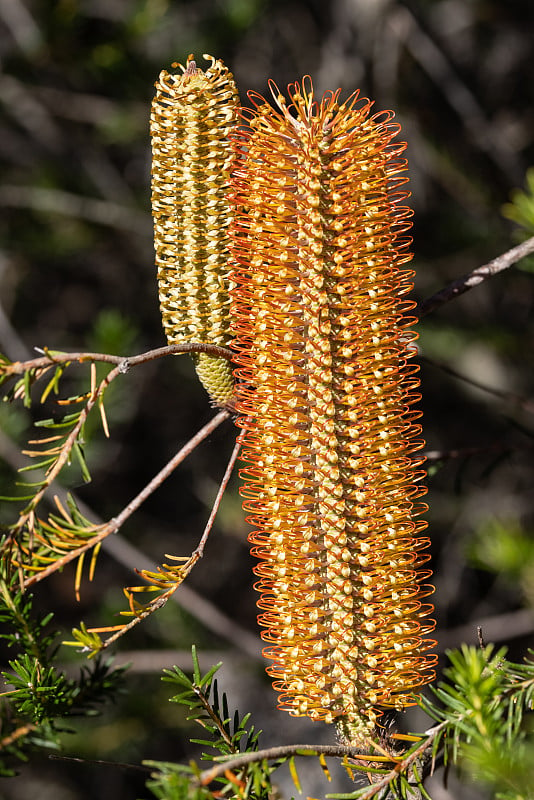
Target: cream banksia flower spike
(325,398)
(193,115)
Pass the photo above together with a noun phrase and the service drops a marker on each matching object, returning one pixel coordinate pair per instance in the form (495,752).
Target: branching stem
(63,457)
(124,363)
(271,754)
(116,523)
(337,751)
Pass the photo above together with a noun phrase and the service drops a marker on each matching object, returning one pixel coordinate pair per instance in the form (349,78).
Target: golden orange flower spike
(325,396)
(192,117)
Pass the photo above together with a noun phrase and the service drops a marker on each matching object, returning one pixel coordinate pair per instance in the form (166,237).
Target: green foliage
(171,782)
(116,334)
(35,543)
(520,209)
(112,332)
(486,728)
(40,698)
(64,439)
(502,547)
(21,628)
(506,549)
(227,733)
(86,641)
(20,388)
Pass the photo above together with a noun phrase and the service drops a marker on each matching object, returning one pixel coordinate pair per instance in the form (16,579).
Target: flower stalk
(193,115)
(325,395)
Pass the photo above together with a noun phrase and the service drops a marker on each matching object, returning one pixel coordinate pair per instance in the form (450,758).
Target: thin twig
(272,753)
(116,523)
(124,362)
(222,488)
(123,365)
(197,554)
(432,456)
(154,606)
(215,718)
(474,278)
(401,766)
(98,762)
(337,751)
(164,473)
(193,602)
(23,730)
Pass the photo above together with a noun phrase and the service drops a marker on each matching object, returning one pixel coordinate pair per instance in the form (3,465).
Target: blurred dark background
(77,273)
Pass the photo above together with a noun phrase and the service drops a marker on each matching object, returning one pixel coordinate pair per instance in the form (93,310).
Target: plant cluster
(303,203)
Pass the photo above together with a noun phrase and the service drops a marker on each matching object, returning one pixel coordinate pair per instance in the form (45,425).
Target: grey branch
(284,751)
(472,279)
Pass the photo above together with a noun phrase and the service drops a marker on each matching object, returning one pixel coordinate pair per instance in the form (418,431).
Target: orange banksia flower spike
(192,117)
(326,394)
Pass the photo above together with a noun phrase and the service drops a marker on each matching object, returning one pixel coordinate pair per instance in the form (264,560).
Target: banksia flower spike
(192,117)
(325,397)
